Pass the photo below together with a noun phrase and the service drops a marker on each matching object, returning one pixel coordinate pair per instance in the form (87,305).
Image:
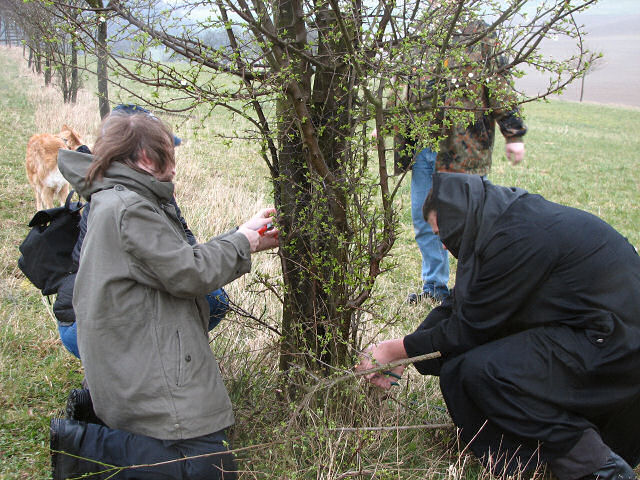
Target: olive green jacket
(140,306)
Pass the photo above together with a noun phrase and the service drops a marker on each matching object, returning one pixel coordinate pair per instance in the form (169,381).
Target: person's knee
(213,466)
(210,458)
(479,375)
(68,337)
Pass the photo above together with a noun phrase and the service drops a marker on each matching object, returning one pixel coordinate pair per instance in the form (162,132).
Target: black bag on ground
(46,251)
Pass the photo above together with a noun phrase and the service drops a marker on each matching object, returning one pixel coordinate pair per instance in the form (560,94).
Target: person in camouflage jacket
(482,91)
(468,148)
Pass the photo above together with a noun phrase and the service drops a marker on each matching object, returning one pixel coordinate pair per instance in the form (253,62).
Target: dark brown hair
(122,139)
(429,204)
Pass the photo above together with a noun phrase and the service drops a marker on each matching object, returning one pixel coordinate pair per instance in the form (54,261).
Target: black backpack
(46,251)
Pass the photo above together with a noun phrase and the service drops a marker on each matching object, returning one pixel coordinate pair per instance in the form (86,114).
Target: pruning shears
(394,375)
(264,228)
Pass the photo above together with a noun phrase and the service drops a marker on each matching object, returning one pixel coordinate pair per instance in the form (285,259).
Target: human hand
(265,240)
(263,217)
(514,152)
(381,354)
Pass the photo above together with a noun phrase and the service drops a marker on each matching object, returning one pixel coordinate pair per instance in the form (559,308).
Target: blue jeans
(69,337)
(218,308)
(435,260)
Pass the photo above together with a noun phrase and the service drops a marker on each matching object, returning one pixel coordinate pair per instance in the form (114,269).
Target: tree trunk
(316,324)
(103,61)
(103,75)
(65,81)
(38,55)
(331,103)
(47,69)
(74,72)
(298,328)
(300,331)
(7,38)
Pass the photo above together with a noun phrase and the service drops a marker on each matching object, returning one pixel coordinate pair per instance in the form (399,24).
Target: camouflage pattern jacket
(467,147)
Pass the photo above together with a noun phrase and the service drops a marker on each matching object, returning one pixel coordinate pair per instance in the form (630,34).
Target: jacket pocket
(600,328)
(179,369)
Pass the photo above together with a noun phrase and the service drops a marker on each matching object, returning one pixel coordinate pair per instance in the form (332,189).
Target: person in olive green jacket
(142,316)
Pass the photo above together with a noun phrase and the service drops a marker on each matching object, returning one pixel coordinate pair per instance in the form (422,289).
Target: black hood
(467,206)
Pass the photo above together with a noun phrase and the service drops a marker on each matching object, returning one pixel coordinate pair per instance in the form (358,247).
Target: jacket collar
(74,166)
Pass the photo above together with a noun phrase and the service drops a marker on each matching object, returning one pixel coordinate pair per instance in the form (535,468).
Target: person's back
(585,276)
(538,264)
(593,264)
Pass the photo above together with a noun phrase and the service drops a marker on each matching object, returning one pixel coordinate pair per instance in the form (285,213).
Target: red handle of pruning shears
(264,228)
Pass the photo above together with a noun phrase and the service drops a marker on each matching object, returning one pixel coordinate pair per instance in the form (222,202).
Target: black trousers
(529,397)
(144,457)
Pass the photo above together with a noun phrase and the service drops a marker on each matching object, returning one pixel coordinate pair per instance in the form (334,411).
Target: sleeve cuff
(419,343)
(243,249)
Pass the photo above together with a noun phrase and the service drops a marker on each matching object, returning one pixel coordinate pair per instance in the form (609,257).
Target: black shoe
(80,407)
(415,298)
(65,438)
(615,468)
(53,446)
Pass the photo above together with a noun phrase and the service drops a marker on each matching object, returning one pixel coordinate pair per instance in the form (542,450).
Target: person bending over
(539,342)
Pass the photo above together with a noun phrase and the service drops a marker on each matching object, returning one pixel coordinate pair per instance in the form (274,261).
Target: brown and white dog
(42,165)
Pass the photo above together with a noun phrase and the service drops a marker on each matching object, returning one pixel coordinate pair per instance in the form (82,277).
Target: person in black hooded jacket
(539,342)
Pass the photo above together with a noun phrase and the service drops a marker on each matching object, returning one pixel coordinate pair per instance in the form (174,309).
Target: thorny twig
(330,382)
(115,469)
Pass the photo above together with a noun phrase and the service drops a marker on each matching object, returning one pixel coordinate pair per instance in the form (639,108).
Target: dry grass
(50,113)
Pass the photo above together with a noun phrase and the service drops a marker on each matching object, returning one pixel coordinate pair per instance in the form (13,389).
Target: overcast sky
(608,7)
(615,7)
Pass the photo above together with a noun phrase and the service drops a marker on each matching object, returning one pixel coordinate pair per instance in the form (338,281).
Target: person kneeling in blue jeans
(218,300)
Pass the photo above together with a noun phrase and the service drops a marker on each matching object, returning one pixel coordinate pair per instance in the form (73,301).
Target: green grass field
(581,155)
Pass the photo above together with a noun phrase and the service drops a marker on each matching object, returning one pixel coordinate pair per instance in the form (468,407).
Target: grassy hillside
(581,155)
